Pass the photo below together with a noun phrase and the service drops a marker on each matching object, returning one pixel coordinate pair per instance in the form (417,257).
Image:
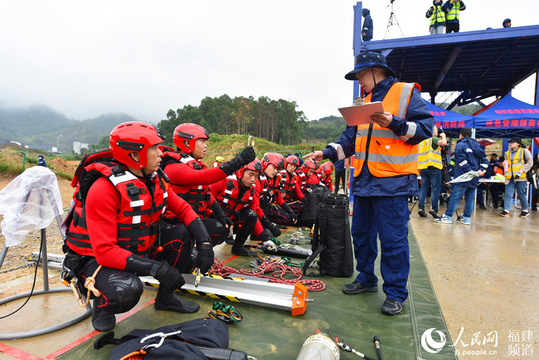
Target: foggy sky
(84,59)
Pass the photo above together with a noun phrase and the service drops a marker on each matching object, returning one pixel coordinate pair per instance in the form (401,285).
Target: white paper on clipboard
(359,114)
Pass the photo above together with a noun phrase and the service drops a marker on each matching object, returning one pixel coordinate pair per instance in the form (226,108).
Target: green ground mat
(268,334)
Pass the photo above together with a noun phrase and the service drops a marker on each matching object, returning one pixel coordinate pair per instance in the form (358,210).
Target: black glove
(221,216)
(287,208)
(245,157)
(304,199)
(205,257)
(169,277)
(267,224)
(276,232)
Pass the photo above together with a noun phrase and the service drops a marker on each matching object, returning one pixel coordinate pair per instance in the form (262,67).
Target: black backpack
(198,339)
(332,238)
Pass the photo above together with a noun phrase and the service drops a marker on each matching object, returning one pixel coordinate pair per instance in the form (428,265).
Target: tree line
(278,121)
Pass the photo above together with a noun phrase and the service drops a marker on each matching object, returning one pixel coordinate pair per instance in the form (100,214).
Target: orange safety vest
(388,154)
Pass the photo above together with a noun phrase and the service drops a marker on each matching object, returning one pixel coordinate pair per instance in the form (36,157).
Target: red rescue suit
(120,215)
(289,186)
(233,198)
(191,180)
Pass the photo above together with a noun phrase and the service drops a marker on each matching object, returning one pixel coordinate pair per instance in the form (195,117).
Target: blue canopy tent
(450,121)
(506,118)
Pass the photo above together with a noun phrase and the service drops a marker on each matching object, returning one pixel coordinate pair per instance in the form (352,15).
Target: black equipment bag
(332,239)
(198,339)
(310,207)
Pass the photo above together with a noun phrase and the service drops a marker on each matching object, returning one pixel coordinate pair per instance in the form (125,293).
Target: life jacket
(388,154)
(438,15)
(328,181)
(428,156)
(302,180)
(287,184)
(268,189)
(139,214)
(514,164)
(263,186)
(454,12)
(198,196)
(234,199)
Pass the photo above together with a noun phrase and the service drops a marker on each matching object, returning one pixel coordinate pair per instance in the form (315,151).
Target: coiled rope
(278,271)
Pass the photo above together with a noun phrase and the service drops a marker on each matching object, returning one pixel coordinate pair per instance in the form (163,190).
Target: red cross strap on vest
(138,217)
(263,186)
(233,199)
(198,196)
(302,180)
(388,154)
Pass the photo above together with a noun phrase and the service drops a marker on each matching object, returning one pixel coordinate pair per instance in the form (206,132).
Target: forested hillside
(278,121)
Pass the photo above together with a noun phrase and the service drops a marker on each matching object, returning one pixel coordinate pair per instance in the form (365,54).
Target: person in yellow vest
(430,167)
(385,175)
(519,161)
(452,9)
(437,18)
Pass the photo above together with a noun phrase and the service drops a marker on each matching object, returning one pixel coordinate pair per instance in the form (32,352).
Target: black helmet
(505,22)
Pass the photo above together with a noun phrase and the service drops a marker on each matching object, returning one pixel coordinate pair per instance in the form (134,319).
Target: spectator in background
(340,175)
(469,158)
(437,18)
(506,23)
(366,33)
(41,161)
(452,9)
(495,167)
(535,196)
(519,161)
(429,163)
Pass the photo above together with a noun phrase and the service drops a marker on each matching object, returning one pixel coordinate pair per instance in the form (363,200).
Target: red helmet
(275,159)
(308,164)
(255,165)
(190,132)
(327,168)
(134,136)
(292,159)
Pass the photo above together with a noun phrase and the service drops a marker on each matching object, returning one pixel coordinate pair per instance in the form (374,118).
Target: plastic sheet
(30,202)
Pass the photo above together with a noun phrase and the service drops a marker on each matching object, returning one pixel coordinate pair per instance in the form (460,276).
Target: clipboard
(359,114)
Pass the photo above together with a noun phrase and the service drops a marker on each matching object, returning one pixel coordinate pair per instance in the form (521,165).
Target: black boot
(240,250)
(102,320)
(166,300)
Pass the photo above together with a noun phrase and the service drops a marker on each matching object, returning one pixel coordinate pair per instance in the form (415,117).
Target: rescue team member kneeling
(191,180)
(236,194)
(116,231)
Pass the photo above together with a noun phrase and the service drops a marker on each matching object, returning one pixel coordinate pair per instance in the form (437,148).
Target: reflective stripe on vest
(388,154)
(138,217)
(428,156)
(514,164)
(454,12)
(438,16)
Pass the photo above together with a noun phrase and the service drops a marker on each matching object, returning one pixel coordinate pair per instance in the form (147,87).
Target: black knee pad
(128,289)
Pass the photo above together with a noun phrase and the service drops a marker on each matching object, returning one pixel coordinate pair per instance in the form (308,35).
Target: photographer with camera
(437,18)
(429,163)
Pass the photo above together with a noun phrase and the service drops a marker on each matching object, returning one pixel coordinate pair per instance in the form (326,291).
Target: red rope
(279,270)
